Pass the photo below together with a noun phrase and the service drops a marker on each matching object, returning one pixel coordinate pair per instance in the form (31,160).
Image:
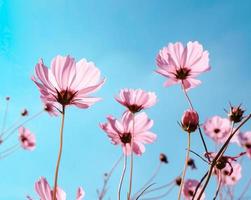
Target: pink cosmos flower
(26,138)
(136,100)
(68,82)
(244,139)
(217,128)
(45,192)
(122,132)
(182,64)
(189,189)
(230,174)
(190,120)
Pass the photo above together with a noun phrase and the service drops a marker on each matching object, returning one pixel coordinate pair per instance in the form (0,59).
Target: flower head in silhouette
(68,82)
(131,128)
(230,174)
(136,100)
(26,138)
(182,64)
(189,188)
(44,191)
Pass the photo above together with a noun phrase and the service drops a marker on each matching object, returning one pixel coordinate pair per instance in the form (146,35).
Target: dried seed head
(236,113)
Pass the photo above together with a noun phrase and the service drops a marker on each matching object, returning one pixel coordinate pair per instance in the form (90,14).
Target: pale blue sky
(122,38)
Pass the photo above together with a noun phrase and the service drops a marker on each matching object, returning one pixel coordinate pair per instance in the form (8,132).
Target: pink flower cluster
(68,82)
(132,131)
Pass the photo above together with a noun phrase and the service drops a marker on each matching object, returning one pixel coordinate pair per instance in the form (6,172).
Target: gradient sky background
(122,38)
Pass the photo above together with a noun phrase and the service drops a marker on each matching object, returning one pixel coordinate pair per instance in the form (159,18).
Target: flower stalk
(59,153)
(185,166)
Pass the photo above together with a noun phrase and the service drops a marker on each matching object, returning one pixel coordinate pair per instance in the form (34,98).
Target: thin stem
(155,173)
(26,121)
(245,189)
(198,186)
(9,149)
(161,196)
(9,152)
(122,176)
(187,97)
(131,163)
(200,132)
(199,156)
(107,177)
(11,127)
(59,154)
(231,131)
(219,154)
(161,187)
(142,193)
(218,189)
(185,166)
(5,118)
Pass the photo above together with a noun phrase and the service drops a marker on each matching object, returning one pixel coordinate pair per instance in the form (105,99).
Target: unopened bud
(191,163)
(178,181)
(163,158)
(24,113)
(190,121)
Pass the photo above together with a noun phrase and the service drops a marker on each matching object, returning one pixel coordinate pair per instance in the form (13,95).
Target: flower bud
(190,121)
(24,113)
(163,158)
(191,163)
(178,181)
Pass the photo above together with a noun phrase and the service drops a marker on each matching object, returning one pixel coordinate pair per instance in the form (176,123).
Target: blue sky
(122,38)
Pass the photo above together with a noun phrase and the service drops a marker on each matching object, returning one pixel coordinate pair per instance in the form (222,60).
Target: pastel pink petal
(138,148)
(170,82)
(196,58)
(85,91)
(162,57)
(87,74)
(163,72)
(43,189)
(80,193)
(175,51)
(127,121)
(111,133)
(146,137)
(85,102)
(43,75)
(142,123)
(63,69)
(115,124)
(60,194)
(127,150)
(193,82)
